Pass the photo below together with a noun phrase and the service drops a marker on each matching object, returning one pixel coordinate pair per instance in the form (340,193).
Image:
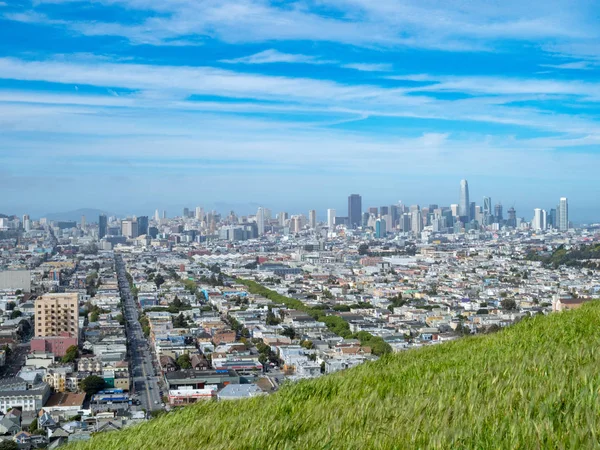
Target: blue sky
(133,105)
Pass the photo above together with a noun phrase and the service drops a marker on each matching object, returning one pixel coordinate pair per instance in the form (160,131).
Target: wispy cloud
(366,67)
(274,56)
(575,65)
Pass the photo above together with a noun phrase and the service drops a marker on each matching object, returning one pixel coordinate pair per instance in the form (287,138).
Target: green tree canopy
(184,361)
(71,354)
(92,384)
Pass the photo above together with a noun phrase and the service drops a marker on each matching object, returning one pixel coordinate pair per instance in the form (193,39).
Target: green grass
(534,385)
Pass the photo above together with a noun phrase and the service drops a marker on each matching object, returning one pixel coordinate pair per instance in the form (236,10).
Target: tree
(289,332)
(33,426)
(307,345)
(272,319)
(7,351)
(71,354)
(184,361)
(92,384)
(363,249)
(8,445)
(180,321)
(16,313)
(159,280)
(509,304)
(10,306)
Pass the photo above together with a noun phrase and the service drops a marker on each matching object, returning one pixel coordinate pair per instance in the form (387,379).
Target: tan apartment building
(57,315)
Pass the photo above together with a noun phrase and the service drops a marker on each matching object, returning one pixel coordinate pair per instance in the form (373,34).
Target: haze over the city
(140,104)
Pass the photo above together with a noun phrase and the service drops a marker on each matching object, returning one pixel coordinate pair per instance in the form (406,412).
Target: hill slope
(534,385)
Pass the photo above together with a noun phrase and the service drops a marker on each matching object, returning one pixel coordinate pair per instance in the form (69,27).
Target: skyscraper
(416,222)
(312,219)
(102,226)
(156,216)
(563,214)
(380,228)
(142,225)
(331,219)
(260,221)
(199,213)
(512,218)
(355,210)
(498,213)
(282,217)
(464,205)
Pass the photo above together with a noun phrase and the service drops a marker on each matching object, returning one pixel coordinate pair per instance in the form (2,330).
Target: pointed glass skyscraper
(464,206)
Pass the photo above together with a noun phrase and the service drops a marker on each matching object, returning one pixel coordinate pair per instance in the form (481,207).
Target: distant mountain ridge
(91,215)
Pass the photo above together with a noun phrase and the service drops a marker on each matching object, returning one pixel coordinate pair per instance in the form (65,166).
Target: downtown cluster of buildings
(208,291)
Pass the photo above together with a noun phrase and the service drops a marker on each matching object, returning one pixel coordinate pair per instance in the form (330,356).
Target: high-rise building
(142,225)
(384,211)
(464,205)
(498,213)
(199,213)
(83,222)
(156,216)
(512,218)
(538,219)
(260,221)
(186,213)
(355,210)
(57,314)
(312,219)
(102,226)
(380,228)
(454,208)
(331,219)
(164,214)
(129,228)
(416,222)
(282,217)
(563,214)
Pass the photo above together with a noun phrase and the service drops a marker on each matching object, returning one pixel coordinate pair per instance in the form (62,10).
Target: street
(145,382)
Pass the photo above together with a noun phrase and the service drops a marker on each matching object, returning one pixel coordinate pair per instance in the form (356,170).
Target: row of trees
(336,324)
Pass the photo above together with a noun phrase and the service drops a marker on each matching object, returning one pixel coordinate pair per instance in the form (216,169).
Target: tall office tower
(129,228)
(164,214)
(282,217)
(537,223)
(355,210)
(267,214)
(331,219)
(365,219)
(405,222)
(498,213)
(487,210)
(156,216)
(384,211)
(478,216)
(544,220)
(186,213)
(464,205)
(27,225)
(551,218)
(57,314)
(471,211)
(512,218)
(454,208)
(563,214)
(260,221)
(199,213)
(83,222)
(312,219)
(380,228)
(102,226)
(395,215)
(416,222)
(142,225)
(373,210)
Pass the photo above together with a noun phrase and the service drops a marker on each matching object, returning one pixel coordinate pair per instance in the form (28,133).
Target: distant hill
(91,215)
(533,385)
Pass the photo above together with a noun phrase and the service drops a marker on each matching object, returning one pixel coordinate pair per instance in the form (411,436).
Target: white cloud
(365,67)
(274,56)
(447,25)
(575,65)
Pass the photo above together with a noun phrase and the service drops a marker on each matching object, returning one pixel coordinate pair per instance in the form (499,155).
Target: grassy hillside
(535,385)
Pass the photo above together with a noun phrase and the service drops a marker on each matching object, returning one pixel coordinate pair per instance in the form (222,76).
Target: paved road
(145,381)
